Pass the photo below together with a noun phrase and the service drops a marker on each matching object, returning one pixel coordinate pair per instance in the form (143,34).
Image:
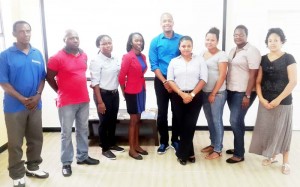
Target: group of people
(186,80)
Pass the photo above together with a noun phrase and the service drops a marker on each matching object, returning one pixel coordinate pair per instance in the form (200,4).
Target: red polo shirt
(71,77)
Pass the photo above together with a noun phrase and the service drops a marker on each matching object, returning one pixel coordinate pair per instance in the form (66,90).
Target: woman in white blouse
(104,70)
(187,75)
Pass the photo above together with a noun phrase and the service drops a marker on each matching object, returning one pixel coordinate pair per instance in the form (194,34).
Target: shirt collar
(102,56)
(175,35)
(14,47)
(80,51)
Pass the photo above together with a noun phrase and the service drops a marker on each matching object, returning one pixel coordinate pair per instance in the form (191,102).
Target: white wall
(119,18)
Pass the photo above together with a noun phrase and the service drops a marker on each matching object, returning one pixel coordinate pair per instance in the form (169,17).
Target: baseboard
(54,129)
(3,147)
(198,128)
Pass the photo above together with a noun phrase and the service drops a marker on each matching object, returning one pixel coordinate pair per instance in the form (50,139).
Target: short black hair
(214,30)
(185,38)
(242,27)
(277,31)
(18,23)
(129,41)
(99,38)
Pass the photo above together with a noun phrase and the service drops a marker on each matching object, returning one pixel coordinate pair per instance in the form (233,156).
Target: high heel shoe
(192,159)
(182,162)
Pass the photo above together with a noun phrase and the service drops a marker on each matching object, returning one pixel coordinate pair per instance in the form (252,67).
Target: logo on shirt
(35,61)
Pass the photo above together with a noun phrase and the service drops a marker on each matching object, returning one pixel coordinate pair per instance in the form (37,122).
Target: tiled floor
(162,170)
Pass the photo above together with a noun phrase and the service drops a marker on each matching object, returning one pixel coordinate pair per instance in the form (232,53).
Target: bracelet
(165,82)
(37,92)
(247,96)
(192,94)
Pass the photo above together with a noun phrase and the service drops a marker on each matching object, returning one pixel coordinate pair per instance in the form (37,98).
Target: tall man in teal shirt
(163,48)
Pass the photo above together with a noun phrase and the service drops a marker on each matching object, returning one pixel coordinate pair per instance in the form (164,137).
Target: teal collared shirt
(162,50)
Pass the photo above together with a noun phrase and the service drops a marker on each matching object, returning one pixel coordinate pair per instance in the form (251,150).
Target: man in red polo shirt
(66,74)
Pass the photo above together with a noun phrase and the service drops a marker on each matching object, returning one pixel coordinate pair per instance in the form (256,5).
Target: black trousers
(186,116)
(107,126)
(163,97)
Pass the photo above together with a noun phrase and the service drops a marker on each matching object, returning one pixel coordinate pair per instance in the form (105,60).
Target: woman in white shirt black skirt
(187,75)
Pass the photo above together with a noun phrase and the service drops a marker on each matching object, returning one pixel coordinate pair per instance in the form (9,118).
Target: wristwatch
(247,96)
(192,94)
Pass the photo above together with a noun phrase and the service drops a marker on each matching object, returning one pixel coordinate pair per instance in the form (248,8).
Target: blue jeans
(67,115)
(214,116)
(237,119)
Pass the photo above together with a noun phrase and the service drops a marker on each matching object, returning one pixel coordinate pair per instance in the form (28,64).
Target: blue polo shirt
(23,72)
(162,50)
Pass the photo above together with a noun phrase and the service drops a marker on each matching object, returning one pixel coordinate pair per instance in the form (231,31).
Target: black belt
(109,91)
(187,91)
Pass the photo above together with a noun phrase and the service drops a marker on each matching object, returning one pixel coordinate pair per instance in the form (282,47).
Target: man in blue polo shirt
(163,48)
(22,77)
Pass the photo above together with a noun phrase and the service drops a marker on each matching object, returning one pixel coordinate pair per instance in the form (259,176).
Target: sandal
(269,161)
(213,155)
(286,169)
(208,149)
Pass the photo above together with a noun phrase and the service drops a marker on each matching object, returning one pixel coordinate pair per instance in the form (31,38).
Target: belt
(187,91)
(109,91)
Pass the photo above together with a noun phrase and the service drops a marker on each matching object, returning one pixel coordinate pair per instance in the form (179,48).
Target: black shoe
(182,162)
(230,151)
(232,161)
(108,154)
(89,161)
(116,148)
(192,159)
(66,170)
(142,152)
(139,157)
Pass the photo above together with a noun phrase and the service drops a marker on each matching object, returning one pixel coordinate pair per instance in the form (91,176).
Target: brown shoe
(213,155)
(208,149)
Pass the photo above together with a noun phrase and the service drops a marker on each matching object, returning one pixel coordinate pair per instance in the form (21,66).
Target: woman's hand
(275,103)
(266,104)
(101,108)
(211,98)
(186,97)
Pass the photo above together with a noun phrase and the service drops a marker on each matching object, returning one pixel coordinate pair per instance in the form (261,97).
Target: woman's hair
(214,30)
(185,38)
(277,31)
(242,27)
(129,42)
(99,38)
